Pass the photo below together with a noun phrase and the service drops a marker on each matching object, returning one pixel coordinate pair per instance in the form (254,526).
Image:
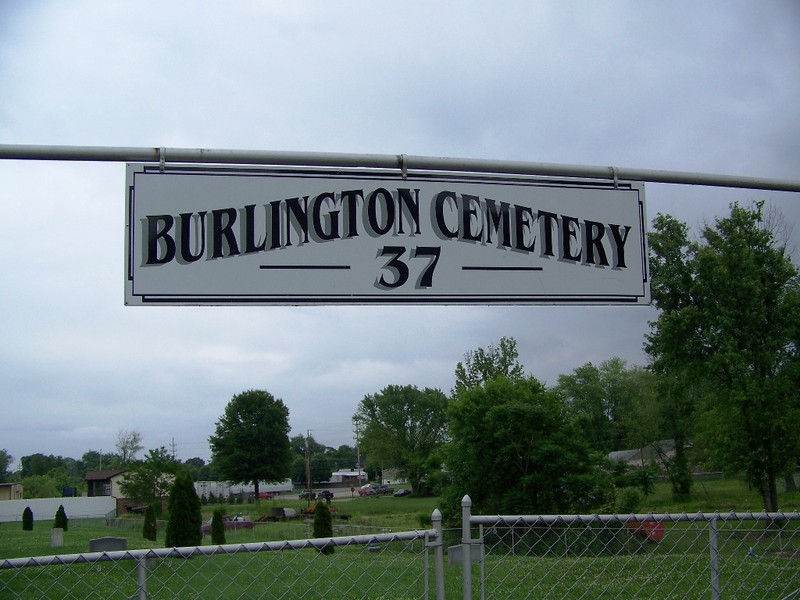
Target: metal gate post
(141,571)
(438,554)
(466,545)
(712,543)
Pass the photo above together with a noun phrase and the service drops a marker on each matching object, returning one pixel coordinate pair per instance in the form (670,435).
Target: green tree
(343,457)
(217,527)
(5,462)
(251,439)
(515,450)
(39,464)
(323,525)
(27,519)
(40,486)
(319,456)
(197,468)
(185,518)
(402,427)
(613,405)
(61,518)
(480,366)
(150,481)
(150,527)
(96,460)
(728,320)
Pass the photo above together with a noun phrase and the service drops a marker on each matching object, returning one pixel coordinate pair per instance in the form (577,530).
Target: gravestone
(108,544)
(56,537)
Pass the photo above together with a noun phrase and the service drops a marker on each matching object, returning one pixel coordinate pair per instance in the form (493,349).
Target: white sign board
(243,235)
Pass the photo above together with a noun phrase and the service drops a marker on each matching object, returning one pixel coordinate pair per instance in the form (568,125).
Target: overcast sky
(707,87)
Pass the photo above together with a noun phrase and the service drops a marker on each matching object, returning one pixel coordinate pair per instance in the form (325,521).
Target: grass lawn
(723,495)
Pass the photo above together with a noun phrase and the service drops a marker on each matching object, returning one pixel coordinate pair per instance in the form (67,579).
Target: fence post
(466,545)
(438,554)
(141,571)
(712,543)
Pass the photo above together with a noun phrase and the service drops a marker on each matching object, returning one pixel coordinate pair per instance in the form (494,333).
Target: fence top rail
(402,162)
(627,518)
(185,552)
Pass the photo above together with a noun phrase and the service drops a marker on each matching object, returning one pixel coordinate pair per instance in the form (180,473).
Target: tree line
(49,476)
(721,384)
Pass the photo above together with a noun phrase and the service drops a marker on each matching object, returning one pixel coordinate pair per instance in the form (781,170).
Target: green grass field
(677,567)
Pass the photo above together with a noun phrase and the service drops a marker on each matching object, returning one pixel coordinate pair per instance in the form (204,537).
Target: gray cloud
(701,87)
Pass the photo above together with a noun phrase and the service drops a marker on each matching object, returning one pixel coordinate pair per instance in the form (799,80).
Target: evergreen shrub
(27,519)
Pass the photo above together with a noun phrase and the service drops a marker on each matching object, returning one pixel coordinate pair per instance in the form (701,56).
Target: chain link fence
(735,555)
(633,556)
(391,565)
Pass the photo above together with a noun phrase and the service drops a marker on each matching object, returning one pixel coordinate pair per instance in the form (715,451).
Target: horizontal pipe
(184,552)
(516,520)
(384,161)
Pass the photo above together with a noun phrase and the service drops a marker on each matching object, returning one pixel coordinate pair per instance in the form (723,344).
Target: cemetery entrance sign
(213,235)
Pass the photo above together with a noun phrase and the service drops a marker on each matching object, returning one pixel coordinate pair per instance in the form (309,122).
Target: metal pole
(438,554)
(426,543)
(384,161)
(141,570)
(483,562)
(466,546)
(712,539)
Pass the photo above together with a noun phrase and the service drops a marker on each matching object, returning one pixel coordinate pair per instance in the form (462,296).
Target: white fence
(44,509)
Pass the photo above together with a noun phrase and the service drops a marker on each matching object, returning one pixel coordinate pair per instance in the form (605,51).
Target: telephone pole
(358,451)
(308,467)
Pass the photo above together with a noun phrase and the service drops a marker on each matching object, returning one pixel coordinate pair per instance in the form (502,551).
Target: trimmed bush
(27,519)
(61,518)
(150,529)
(185,516)
(217,527)
(323,525)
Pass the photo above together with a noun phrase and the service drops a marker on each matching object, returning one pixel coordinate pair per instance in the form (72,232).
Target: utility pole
(308,467)
(358,451)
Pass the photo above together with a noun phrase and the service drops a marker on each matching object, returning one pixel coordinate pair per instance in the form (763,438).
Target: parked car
(230,524)
(307,495)
(266,495)
(401,493)
(325,495)
(367,490)
(374,489)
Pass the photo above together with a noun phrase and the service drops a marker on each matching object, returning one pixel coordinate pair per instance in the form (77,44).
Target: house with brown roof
(104,483)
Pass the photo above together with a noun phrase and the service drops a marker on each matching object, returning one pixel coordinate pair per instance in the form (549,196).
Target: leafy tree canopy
(40,464)
(96,460)
(319,456)
(5,464)
(614,405)
(251,439)
(730,312)
(514,449)
(480,366)
(403,427)
(150,480)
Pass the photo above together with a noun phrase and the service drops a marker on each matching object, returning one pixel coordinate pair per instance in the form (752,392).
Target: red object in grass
(652,531)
